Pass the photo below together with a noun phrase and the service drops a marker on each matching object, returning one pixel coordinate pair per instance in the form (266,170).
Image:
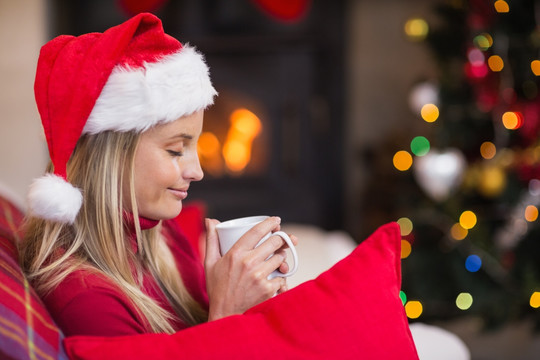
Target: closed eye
(175,153)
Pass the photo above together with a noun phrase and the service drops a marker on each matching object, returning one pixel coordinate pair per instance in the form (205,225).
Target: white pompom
(52,198)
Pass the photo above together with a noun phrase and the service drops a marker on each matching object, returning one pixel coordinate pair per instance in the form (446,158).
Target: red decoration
(134,7)
(284,10)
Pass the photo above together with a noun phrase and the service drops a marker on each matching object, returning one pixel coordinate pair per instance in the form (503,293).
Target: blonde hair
(100,165)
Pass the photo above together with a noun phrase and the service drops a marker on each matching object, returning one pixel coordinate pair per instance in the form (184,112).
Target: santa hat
(131,77)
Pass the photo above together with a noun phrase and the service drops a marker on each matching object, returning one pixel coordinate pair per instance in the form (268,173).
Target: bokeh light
(483,41)
(534,301)
(416,29)
(531,213)
(467,219)
(495,63)
(405,249)
(430,113)
(534,187)
(473,263)
(421,94)
(414,309)
(402,160)
(476,57)
(535,67)
(512,120)
(420,146)
(403,297)
(458,232)
(501,6)
(405,226)
(488,150)
(492,181)
(464,301)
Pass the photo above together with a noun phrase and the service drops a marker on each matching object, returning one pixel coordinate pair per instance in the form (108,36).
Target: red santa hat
(131,77)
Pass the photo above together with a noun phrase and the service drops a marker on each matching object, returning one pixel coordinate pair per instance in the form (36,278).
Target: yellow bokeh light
(495,63)
(416,29)
(405,225)
(535,300)
(488,150)
(406,249)
(501,6)
(467,220)
(245,126)
(512,120)
(429,112)
(414,309)
(208,144)
(458,232)
(492,181)
(464,301)
(246,123)
(402,160)
(531,213)
(535,67)
(237,155)
(483,41)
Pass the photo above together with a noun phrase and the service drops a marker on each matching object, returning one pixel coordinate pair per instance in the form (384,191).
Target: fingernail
(278,219)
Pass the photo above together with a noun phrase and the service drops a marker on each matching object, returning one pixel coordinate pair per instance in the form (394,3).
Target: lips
(179,193)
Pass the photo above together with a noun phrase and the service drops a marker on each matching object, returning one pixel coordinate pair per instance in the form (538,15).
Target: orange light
(237,155)
(495,63)
(402,160)
(429,112)
(245,126)
(501,6)
(512,120)
(531,213)
(405,249)
(488,150)
(535,67)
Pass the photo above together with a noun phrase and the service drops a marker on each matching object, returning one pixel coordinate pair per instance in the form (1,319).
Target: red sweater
(86,303)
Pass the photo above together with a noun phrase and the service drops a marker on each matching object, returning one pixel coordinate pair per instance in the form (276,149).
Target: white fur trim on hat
(52,198)
(136,99)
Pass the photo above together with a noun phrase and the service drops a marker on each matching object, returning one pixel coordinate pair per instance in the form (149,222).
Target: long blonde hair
(97,241)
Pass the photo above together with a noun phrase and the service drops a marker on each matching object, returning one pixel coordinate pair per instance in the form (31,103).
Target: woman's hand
(238,280)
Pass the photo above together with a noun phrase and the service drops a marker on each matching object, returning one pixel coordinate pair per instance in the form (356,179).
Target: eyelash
(175,153)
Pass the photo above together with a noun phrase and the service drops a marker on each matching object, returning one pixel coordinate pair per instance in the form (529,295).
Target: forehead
(190,126)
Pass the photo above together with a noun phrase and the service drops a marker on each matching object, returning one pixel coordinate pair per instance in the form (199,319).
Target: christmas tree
(471,237)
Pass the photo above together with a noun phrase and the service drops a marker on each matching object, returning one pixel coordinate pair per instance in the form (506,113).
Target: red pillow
(352,311)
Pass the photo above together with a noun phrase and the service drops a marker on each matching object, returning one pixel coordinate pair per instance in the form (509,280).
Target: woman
(122,112)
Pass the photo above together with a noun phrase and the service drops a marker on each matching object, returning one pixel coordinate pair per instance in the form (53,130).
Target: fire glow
(235,153)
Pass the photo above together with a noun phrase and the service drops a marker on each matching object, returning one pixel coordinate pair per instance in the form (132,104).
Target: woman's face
(166,162)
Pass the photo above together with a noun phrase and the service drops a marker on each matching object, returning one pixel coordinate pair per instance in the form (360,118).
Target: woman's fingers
(212,242)
(252,237)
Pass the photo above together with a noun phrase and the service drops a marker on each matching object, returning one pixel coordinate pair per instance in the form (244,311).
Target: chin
(164,214)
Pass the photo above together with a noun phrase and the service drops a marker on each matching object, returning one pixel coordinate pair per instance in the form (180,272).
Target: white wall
(23,152)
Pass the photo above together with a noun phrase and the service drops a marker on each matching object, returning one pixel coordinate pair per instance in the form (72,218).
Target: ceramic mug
(230,231)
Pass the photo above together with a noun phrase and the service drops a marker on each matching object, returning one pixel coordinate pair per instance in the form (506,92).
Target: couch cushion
(351,311)
(26,329)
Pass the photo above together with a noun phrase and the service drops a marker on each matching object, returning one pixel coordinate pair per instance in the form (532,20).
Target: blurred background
(345,115)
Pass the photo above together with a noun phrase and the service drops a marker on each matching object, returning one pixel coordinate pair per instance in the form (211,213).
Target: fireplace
(272,143)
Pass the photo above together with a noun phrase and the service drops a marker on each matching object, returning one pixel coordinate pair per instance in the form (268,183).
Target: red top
(87,303)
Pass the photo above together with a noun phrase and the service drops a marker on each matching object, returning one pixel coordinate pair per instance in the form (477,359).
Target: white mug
(230,231)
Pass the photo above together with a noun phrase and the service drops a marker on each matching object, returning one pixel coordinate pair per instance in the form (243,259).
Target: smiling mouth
(180,194)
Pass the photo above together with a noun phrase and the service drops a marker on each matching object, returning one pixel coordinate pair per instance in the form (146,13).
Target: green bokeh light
(403,297)
(420,146)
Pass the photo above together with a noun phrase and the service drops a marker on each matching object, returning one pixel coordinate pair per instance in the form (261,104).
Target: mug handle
(287,239)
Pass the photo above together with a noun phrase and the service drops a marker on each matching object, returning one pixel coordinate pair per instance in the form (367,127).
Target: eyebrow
(183,136)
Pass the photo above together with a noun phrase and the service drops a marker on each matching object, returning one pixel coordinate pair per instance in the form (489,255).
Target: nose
(193,170)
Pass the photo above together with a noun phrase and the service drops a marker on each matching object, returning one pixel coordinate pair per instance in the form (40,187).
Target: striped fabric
(26,329)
